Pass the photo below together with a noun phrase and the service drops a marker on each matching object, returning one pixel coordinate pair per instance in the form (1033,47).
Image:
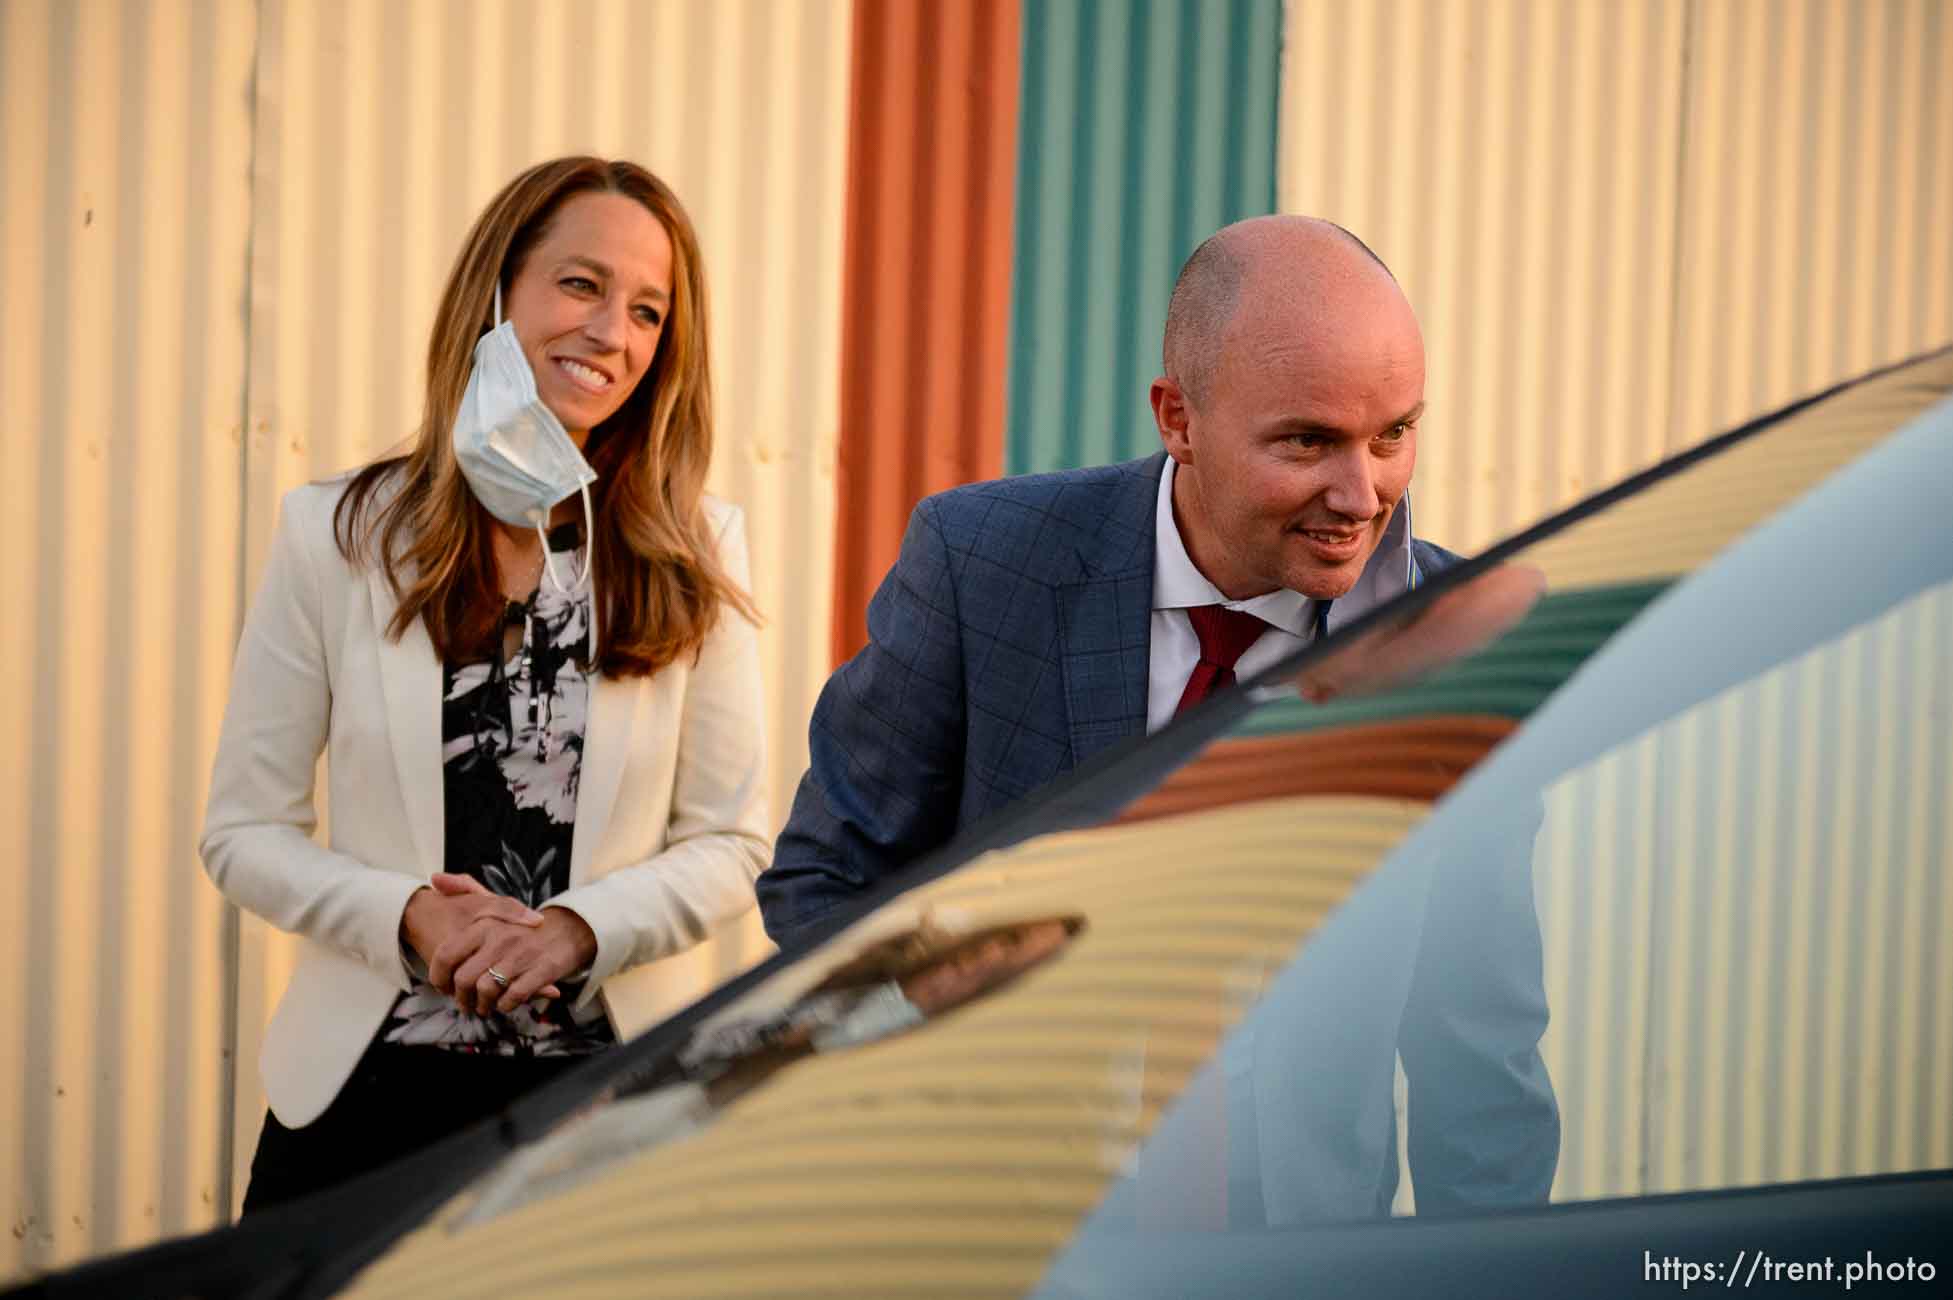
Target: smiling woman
(525,649)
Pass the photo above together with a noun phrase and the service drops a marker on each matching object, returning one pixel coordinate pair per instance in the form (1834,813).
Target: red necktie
(1225,635)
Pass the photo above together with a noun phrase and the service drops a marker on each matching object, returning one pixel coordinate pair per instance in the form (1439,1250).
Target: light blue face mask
(518,459)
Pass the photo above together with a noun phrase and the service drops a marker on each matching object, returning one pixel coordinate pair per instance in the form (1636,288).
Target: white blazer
(671,818)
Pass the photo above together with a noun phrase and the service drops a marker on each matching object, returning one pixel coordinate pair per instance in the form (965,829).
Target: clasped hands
(463,931)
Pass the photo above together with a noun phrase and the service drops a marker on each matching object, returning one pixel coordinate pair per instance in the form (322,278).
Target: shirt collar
(1177,584)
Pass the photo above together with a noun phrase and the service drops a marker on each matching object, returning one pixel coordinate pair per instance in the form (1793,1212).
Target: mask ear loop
(589,540)
(585,579)
(590,573)
(498,302)
(582,578)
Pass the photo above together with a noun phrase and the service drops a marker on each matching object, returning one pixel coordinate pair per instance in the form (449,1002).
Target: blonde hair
(660,580)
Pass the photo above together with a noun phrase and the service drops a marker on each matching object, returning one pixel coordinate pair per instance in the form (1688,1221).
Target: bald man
(1030,623)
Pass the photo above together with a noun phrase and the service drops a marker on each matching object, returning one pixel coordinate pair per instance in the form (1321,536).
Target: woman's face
(589,306)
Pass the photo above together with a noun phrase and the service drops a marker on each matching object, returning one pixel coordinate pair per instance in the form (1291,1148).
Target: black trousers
(398,1100)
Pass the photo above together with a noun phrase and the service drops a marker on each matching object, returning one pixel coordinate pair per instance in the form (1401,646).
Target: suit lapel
(1105,617)
(608,724)
(410,686)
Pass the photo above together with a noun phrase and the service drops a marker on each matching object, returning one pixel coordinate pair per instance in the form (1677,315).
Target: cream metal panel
(124,170)
(385,128)
(1741,912)
(1514,163)
(1817,191)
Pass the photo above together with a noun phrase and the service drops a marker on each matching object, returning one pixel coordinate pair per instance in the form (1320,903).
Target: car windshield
(1608,863)
(1660,787)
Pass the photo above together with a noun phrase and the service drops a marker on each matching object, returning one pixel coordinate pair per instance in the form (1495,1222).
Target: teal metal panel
(1145,125)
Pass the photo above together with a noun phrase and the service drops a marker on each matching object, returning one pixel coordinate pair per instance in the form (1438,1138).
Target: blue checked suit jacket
(1009,644)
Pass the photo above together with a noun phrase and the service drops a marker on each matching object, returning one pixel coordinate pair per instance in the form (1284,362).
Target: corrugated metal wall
(933,136)
(1145,125)
(1817,194)
(1745,914)
(231,216)
(1624,226)
(124,173)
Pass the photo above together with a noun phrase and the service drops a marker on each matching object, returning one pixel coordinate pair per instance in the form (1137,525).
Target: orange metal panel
(932,140)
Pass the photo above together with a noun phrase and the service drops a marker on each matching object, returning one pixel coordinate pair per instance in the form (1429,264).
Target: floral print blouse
(512,728)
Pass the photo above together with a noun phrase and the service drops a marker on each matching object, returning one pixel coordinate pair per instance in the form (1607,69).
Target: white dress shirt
(1291,616)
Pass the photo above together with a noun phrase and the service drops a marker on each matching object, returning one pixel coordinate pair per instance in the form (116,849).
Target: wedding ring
(498,977)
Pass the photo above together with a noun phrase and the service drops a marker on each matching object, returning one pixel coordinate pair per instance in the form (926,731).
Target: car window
(1636,789)
(1742,910)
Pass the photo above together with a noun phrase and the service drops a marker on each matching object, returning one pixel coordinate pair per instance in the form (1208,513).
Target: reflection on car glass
(1458,623)
(891,988)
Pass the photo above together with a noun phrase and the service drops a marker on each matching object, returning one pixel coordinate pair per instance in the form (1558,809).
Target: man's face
(1303,445)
